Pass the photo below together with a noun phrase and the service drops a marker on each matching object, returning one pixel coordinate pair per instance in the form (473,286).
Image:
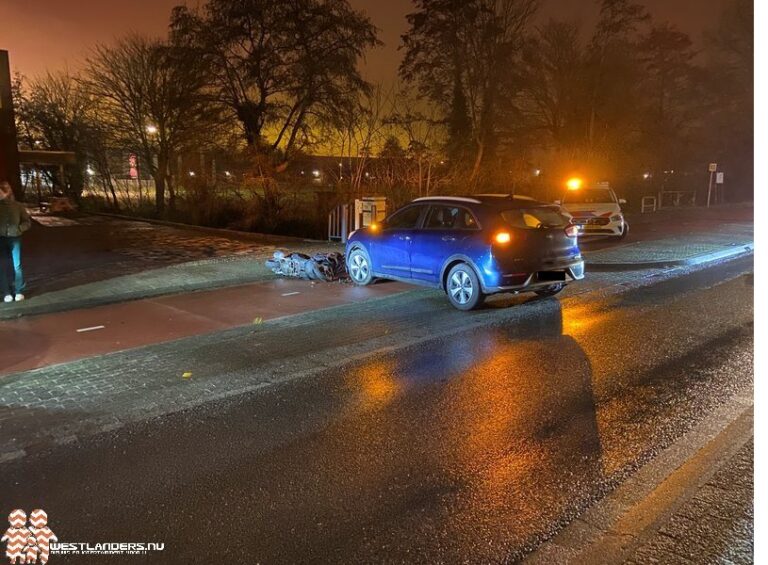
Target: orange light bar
(503,237)
(574,183)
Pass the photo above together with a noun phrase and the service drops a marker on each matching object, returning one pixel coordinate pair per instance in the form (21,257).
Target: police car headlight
(617,218)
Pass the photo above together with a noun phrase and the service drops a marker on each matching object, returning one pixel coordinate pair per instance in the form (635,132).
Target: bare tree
(151,99)
(463,53)
(281,66)
(54,113)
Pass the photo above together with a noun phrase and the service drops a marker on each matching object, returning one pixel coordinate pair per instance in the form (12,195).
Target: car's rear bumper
(545,276)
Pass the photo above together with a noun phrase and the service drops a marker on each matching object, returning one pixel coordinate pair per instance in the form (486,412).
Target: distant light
(151,130)
(191,173)
(646,176)
(227,174)
(316,174)
(367,174)
(90,171)
(38,142)
(574,183)
(537,172)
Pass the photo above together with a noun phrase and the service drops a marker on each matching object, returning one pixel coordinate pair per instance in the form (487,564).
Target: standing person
(14,221)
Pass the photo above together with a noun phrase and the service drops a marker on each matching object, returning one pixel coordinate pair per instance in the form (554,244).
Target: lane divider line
(290,294)
(90,329)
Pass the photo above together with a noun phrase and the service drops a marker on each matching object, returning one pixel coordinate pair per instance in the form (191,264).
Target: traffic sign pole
(712,170)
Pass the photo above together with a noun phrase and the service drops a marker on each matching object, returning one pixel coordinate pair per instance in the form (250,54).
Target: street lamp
(151,130)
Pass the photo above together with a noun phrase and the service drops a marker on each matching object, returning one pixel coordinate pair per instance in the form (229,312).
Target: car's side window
(450,218)
(407,218)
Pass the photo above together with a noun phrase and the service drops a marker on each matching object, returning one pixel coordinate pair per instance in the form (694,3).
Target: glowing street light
(191,173)
(151,130)
(574,183)
(537,172)
(646,176)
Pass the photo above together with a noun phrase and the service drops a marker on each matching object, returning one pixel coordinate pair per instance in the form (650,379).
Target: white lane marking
(291,293)
(91,329)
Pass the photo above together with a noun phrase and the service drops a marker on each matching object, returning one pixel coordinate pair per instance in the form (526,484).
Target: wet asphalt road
(472,448)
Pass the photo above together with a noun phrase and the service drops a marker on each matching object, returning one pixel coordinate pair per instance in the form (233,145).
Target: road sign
(712,167)
(720,178)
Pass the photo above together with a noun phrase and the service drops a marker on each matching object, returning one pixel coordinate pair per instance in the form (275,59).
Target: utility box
(346,218)
(369,210)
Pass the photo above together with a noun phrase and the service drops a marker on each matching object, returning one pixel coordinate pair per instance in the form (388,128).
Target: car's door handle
(449,238)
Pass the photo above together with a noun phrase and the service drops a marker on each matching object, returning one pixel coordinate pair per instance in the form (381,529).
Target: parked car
(597,211)
(470,247)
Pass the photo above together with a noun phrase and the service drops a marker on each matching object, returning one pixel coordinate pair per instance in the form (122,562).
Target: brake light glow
(572,231)
(503,237)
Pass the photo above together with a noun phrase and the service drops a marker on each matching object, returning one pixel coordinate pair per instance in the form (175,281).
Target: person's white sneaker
(8,298)
(19,297)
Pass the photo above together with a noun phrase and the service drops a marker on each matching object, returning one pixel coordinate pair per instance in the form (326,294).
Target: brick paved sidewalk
(93,260)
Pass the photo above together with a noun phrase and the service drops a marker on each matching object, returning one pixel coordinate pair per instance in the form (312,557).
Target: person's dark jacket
(14,219)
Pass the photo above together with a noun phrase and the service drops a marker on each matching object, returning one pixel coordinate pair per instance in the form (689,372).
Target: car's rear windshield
(535,218)
(589,196)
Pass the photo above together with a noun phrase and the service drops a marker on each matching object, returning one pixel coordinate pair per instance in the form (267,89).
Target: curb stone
(625,518)
(728,253)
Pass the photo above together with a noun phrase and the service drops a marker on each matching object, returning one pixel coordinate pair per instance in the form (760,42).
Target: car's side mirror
(622,200)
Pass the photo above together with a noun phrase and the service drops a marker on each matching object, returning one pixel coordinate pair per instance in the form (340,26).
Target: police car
(596,210)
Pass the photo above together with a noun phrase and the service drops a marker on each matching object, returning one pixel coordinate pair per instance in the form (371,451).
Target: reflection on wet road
(474,447)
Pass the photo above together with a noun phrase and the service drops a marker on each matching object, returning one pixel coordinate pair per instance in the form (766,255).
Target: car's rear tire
(463,288)
(550,290)
(359,267)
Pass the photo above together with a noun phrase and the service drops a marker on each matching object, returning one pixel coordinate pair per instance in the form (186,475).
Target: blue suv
(470,247)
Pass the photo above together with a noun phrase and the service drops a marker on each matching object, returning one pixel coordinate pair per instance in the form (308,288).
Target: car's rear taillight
(572,231)
(503,237)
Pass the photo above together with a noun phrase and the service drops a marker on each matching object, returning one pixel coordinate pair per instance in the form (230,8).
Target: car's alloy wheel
(359,267)
(463,288)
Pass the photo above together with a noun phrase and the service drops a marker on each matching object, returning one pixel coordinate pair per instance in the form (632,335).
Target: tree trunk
(478,164)
(159,176)
(295,131)
(171,193)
